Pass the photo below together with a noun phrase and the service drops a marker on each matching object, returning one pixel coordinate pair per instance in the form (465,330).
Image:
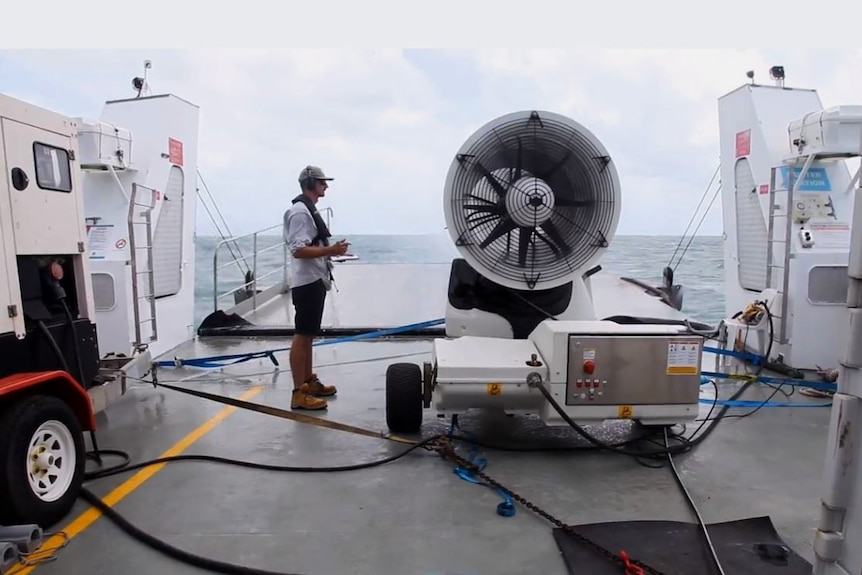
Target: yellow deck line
(89,516)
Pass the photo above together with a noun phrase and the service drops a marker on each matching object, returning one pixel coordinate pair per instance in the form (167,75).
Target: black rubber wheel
(39,431)
(404,398)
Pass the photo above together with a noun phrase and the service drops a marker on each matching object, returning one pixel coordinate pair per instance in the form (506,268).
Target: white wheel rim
(51,461)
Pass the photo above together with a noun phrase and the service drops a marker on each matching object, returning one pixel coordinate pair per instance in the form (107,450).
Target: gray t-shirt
(299,231)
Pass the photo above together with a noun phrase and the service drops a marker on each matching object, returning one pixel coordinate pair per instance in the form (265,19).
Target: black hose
(686,445)
(262,466)
(75,344)
(168,549)
(54,346)
(197,560)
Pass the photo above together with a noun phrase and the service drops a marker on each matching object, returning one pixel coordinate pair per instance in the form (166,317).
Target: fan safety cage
(531,199)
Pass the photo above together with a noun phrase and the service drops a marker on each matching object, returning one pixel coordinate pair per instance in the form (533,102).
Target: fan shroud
(532,200)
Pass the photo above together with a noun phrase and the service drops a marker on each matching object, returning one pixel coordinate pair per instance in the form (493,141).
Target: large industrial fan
(532,200)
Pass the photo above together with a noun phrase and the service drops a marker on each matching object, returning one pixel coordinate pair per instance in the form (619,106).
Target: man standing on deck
(307,238)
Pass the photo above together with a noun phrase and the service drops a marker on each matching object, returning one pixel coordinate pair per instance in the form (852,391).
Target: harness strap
(285,414)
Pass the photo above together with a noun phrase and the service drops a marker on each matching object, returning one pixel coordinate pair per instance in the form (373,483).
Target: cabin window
(168,237)
(751,231)
(53,169)
(828,285)
(104,293)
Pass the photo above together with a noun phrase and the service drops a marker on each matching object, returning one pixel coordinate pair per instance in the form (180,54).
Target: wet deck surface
(413,516)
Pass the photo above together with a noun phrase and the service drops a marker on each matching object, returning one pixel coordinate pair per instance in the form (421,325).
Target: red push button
(589,366)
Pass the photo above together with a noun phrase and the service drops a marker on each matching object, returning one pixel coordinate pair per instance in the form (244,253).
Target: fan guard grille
(532,200)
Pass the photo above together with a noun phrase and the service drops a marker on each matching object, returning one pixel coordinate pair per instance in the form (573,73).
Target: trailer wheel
(404,397)
(42,461)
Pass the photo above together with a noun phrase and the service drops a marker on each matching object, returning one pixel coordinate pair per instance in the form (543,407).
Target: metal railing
(250,272)
(251,277)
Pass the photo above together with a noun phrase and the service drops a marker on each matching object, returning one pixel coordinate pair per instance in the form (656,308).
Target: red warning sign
(175,151)
(743,143)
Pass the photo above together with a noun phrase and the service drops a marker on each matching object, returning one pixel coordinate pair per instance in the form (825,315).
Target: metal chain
(443,446)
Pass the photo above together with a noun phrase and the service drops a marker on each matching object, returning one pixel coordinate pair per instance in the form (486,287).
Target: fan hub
(530,202)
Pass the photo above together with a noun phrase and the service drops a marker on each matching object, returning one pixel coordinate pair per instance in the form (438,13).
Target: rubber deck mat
(679,548)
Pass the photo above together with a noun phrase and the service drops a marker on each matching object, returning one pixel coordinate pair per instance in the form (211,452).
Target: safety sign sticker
(99,237)
(683,357)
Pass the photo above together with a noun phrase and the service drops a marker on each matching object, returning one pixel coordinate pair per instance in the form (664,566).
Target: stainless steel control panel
(634,369)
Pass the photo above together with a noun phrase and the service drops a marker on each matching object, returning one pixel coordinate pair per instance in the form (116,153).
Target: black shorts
(308,301)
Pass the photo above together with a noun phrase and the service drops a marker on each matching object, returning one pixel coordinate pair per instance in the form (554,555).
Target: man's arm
(300,232)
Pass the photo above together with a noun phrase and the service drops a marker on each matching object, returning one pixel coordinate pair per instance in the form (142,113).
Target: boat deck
(414,515)
(400,294)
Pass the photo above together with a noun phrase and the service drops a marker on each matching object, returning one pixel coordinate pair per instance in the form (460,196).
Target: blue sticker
(816,179)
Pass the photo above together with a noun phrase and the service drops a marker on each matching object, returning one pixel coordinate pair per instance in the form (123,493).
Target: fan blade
(505,226)
(552,170)
(475,221)
(550,244)
(519,162)
(481,199)
(555,236)
(569,202)
(498,187)
(524,238)
(486,209)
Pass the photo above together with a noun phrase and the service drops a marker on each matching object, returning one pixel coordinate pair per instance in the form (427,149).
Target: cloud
(387,123)
(657,112)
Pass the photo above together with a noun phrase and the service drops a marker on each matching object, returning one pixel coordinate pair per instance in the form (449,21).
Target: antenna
(140,83)
(750,75)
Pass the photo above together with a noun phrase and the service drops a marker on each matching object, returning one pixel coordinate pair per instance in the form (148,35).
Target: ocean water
(641,257)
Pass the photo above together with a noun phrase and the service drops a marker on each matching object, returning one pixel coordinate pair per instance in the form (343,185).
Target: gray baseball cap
(313,172)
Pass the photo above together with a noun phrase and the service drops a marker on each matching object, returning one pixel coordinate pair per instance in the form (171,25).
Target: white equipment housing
(532,200)
(781,149)
(548,178)
(140,193)
(41,211)
(595,370)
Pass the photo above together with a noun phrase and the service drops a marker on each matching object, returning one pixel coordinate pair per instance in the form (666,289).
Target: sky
(386,123)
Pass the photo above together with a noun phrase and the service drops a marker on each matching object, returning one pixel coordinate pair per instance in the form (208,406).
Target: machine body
(595,370)
(532,201)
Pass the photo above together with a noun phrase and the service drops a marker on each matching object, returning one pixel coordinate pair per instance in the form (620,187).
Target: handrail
(253,282)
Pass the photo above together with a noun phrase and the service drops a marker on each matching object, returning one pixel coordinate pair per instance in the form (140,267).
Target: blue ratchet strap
(233,359)
(705,378)
(822,385)
(504,509)
(755,359)
(756,403)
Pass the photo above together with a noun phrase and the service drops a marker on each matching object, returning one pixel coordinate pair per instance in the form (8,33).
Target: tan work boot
(302,399)
(317,389)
